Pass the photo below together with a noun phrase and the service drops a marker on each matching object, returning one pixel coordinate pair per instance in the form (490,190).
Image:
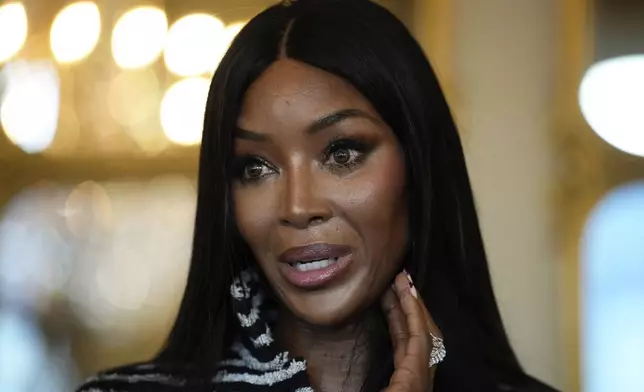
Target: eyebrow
(318,125)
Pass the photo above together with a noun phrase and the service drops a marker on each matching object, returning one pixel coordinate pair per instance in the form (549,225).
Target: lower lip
(316,278)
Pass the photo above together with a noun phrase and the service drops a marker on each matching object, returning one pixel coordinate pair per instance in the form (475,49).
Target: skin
(297,185)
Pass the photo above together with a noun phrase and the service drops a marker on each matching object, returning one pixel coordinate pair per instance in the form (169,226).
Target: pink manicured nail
(412,288)
(411,282)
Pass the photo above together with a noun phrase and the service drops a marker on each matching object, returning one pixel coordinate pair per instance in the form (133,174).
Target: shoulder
(141,377)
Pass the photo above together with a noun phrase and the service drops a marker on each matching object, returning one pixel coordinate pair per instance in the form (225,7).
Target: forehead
(291,91)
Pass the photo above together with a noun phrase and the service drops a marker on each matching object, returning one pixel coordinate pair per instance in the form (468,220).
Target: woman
(331,177)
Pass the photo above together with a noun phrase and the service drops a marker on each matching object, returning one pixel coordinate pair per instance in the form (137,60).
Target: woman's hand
(410,327)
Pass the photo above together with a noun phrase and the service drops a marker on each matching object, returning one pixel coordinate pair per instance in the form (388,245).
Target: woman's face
(319,192)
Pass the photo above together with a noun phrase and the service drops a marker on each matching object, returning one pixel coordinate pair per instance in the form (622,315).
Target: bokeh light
(131,273)
(13,29)
(75,31)
(182,110)
(134,96)
(28,234)
(68,139)
(232,30)
(88,206)
(139,37)
(194,45)
(613,294)
(123,280)
(30,104)
(22,351)
(134,100)
(611,97)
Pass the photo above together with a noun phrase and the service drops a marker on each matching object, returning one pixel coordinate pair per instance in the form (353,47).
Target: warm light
(232,30)
(182,110)
(194,45)
(229,35)
(133,96)
(133,271)
(29,107)
(133,101)
(611,97)
(67,140)
(75,31)
(139,37)
(13,29)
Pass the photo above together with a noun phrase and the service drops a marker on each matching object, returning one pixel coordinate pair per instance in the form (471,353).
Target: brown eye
(342,156)
(346,154)
(253,170)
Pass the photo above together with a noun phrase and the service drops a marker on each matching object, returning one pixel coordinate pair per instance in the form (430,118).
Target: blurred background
(101,106)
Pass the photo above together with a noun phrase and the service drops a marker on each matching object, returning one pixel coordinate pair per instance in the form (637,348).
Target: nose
(303,205)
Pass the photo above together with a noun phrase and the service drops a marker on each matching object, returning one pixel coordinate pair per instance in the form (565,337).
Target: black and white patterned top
(251,364)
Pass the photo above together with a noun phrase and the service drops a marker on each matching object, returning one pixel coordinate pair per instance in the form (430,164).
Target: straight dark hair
(366,45)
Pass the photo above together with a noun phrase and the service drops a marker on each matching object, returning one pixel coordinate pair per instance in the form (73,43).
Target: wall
(504,81)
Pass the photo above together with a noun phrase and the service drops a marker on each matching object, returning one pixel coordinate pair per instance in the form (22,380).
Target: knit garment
(252,363)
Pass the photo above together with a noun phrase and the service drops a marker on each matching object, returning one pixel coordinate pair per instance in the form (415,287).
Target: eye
(251,168)
(346,154)
(343,156)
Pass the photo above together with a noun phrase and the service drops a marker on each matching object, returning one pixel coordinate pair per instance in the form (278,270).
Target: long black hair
(366,45)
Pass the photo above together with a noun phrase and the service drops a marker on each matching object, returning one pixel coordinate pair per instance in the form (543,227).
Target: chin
(334,309)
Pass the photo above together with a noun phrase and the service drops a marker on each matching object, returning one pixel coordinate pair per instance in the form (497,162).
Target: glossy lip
(312,252)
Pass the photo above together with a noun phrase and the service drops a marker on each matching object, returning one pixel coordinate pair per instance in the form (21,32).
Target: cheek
(253,214)
(376,204)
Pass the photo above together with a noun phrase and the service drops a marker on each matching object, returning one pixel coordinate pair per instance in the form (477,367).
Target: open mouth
(313,265)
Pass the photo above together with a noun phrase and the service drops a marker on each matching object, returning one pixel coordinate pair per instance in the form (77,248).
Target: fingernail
(412,287)
(411,282)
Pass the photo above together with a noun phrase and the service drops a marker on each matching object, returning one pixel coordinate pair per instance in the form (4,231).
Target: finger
(432,328)
(417,348)
(429,320)
(397,324)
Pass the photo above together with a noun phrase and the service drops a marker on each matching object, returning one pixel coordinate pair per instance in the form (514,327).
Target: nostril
(314,221)
(285,222)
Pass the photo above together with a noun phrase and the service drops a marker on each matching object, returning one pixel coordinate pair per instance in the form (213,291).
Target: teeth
(315,265)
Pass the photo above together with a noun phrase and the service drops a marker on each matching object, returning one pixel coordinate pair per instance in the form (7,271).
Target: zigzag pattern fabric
(252,364)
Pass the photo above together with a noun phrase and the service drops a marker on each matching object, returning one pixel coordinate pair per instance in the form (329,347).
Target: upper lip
(313,252)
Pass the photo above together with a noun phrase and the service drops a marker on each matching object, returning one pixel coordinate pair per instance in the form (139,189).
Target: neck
(336,357)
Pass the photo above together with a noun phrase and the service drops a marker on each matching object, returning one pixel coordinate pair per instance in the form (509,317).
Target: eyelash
(358,151)
(360,148)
